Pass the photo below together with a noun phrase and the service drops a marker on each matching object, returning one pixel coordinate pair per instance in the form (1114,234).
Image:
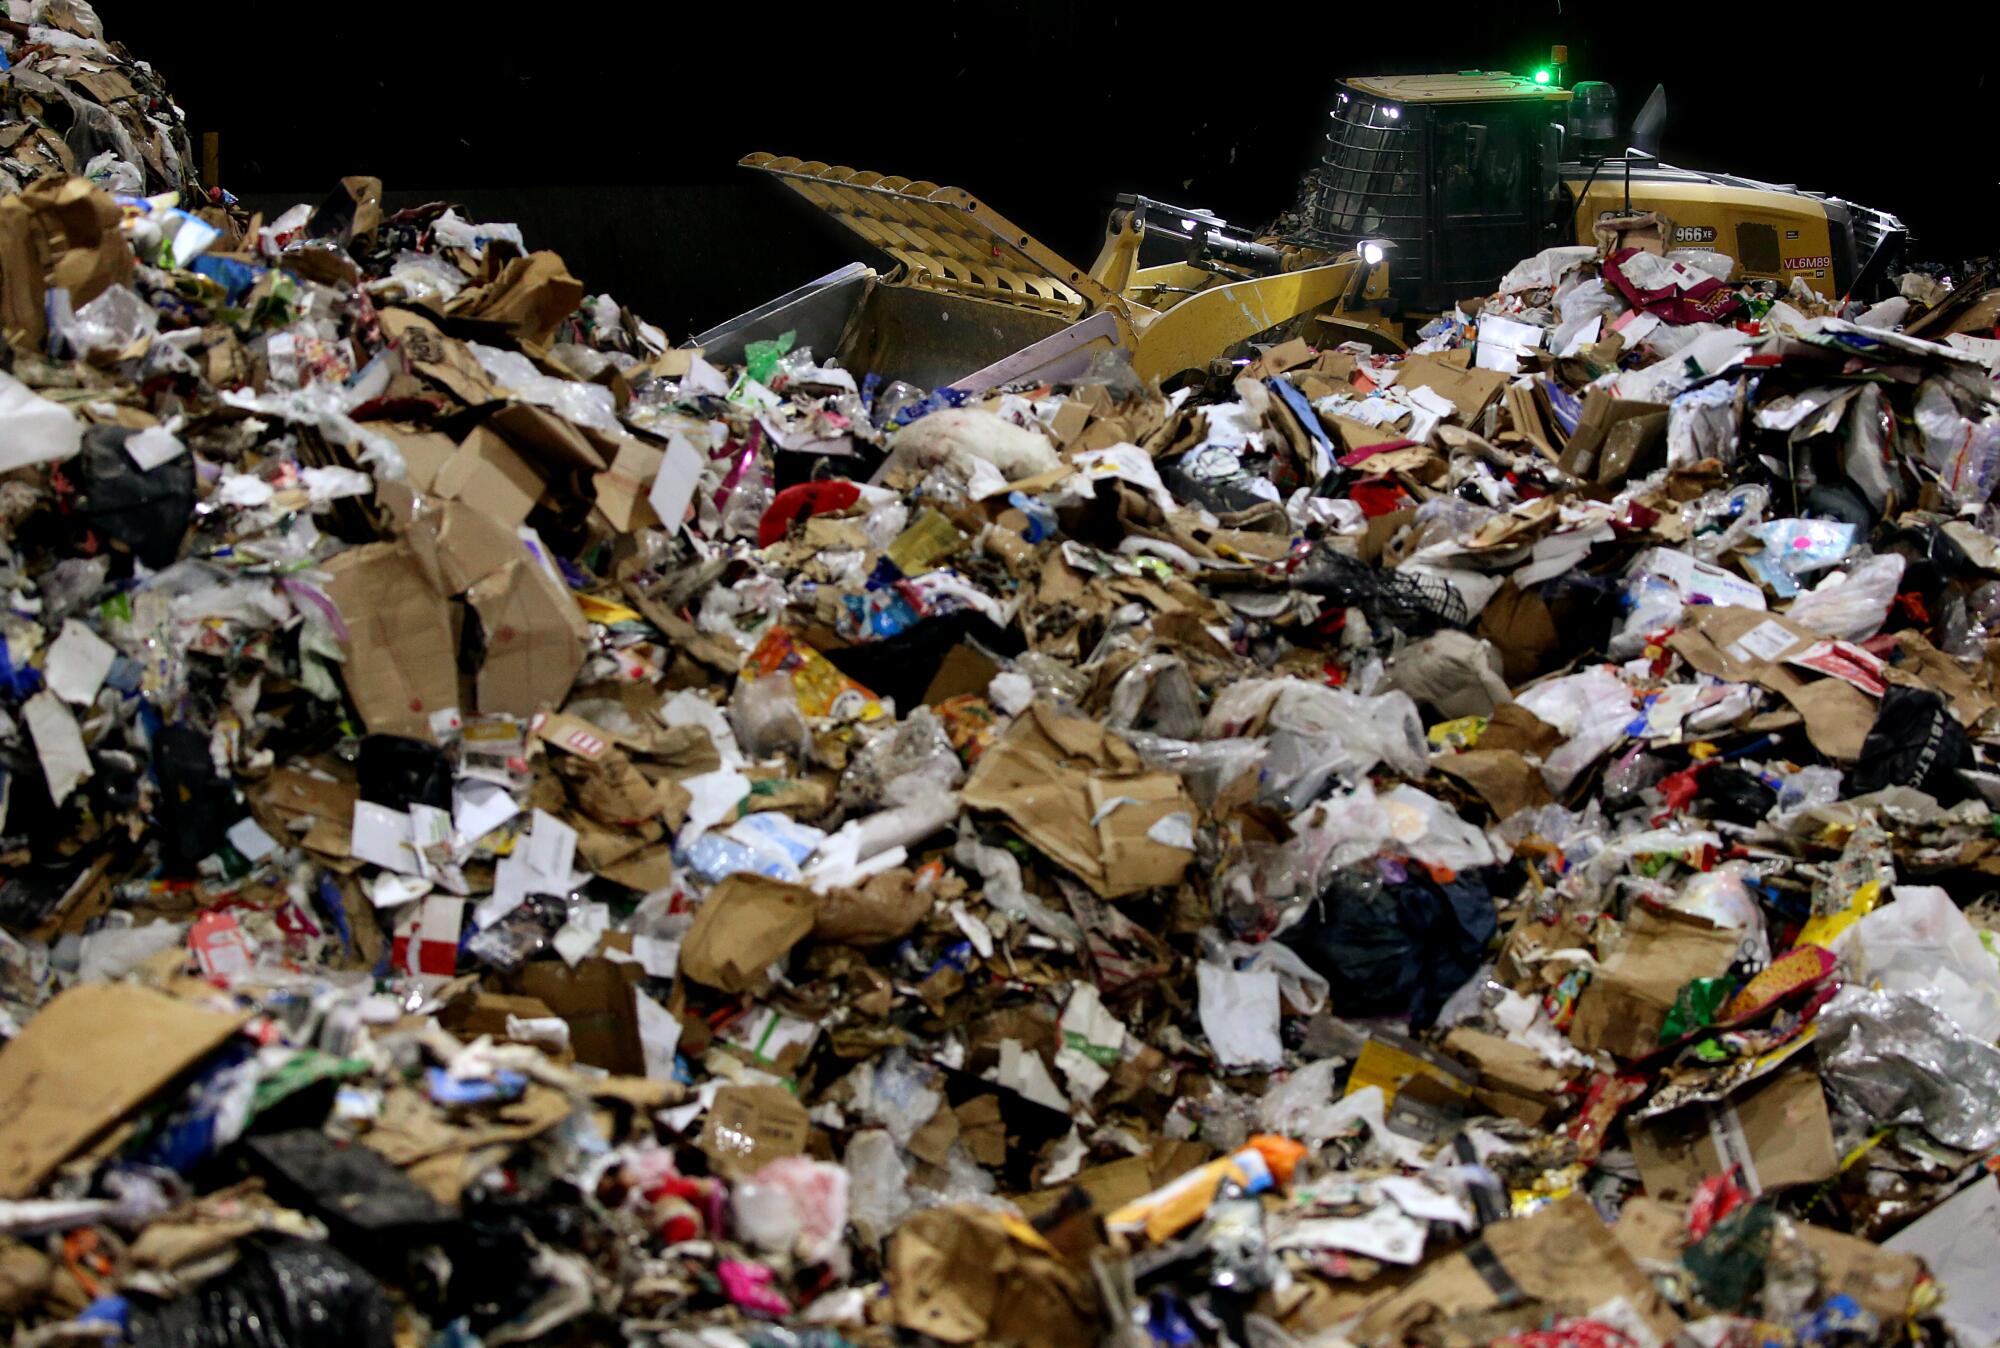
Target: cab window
(1484,166)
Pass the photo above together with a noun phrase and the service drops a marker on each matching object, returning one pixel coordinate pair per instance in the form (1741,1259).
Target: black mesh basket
(1414,605)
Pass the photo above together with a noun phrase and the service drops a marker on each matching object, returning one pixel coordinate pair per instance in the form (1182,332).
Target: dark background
(611,131)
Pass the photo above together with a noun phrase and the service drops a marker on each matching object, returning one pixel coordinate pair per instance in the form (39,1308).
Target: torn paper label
(1763,643)
(1384,1234)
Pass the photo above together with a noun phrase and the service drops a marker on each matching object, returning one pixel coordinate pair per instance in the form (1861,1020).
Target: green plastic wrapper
(760,359)
(1697,1005)
(1728,1263)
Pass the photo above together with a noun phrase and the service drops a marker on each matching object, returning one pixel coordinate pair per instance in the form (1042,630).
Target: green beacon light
(1544,75)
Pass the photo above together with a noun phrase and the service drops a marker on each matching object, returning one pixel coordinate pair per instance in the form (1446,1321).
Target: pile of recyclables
(513,833)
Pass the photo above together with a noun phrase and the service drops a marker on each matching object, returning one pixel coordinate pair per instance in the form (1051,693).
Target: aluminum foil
(1896,1058)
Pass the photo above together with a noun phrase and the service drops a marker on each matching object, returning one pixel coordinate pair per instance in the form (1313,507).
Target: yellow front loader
(971,300)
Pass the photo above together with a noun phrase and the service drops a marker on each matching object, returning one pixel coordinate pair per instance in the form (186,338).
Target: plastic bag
(1207,765)
(1654,606)
(1965,453)
(1702,424)
(1922,942)
(586,404)
(1852,605)
(290,1294)
(794,1205)
(903,763)
(1433,833)
(766,717)
(1795,547)
(1156,694)
(1591,710)
(111,322)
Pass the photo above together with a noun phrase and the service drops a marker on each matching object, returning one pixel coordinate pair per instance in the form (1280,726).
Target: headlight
(1371,253)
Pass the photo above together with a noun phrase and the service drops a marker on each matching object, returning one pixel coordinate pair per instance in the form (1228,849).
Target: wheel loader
(1428,189)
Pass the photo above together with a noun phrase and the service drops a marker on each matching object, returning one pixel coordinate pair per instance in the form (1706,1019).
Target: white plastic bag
(1923,943)
(1852,605)
(1591,709)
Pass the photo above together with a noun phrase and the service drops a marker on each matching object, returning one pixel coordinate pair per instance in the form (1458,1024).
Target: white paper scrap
(1239,1014)
(58,744)
(77,663)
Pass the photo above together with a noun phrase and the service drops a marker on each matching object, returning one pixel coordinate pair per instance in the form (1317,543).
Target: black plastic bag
(1914,742)
(1402,949)
(288,1294)
(146,510)
(197,804)
(360,1196)
(399,772)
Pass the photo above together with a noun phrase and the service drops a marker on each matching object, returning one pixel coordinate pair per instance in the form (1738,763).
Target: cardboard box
(1776,1129)
(401,666)
(1083,795)
(1513,1080)
(536,639)
(595,998)
(1562,1256)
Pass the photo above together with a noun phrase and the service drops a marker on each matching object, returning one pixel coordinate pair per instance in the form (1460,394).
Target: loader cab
(1458,172)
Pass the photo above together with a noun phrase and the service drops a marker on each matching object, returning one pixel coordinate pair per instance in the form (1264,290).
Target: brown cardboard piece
(303,793)
(1528,408)
(750,1126)
(85,1063)
(622,487)
(536,639)
(1059,781)
(965,1275)
(532,295)
(1602,412)
(963,670)
(424,451)
(595,999)
(1776,1128)
(443,361)
(1627,1000)
(1447,374)
(1501,777)
(1512,727)
(60,234)
(1562,1256)
(747,923)
(1837,714)
(1648,231)
(401,666)
(1519,624)
(492,476)
(884,907)
(1514,1081)
(1879,1280)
